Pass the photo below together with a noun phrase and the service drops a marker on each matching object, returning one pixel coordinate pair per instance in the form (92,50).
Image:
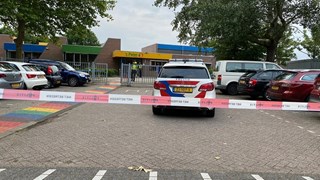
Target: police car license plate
(182,90)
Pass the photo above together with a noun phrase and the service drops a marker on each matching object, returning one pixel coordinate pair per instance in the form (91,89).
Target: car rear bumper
(183,108)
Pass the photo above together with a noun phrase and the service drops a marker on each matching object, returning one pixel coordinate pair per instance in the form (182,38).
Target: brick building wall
(106,52)
(4,38)
(54,50)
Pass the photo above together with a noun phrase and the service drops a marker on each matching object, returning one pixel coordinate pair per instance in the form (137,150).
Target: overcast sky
(139,24)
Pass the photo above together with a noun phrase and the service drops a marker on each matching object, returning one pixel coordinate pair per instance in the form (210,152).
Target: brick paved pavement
(118,136)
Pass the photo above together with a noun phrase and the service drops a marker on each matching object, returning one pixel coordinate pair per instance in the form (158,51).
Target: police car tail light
(159,85)
(2,75)
(207,87)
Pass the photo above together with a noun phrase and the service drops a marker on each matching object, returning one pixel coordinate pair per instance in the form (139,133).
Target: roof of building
(79,49)
(184,48)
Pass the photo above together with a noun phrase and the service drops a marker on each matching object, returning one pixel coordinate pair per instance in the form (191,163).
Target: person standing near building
(140,69)
(134,70)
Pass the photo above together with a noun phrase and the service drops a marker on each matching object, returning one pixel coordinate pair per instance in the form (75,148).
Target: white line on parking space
(266,113)
(307,178)
(153,175)
(279,118)
(311,132)
(256,176)
(287,121)
(300,127)
(205,176)
(99,175)
(127,91)
(45,174)
(2,170)
(147,91)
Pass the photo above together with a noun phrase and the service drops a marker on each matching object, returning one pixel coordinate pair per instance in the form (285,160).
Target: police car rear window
(184,72)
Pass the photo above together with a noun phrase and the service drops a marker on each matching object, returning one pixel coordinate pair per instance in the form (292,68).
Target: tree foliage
(50,18)
(260,22)
(82,37)
(311,43)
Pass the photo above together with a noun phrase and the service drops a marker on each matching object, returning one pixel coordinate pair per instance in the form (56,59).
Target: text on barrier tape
(154,100)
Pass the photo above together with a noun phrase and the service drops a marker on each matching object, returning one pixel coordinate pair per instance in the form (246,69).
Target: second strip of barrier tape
(154,100)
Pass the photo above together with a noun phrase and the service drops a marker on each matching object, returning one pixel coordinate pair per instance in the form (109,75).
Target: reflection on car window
(266,75)
(184,72)
(286,76)
(309,77)
(31,68)
(67,66)
(272,66)
(6,67)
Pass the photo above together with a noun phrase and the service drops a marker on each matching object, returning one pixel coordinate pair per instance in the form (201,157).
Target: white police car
(184,78)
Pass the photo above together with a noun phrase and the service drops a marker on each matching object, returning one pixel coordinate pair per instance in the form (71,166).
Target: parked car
(227,73)
(33,77)
(256,83)
(315,93)
(52,74)
(184,78)
(10,78)
(292,85)
(68,73)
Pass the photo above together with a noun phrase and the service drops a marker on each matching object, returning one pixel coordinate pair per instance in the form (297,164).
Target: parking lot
(235,143)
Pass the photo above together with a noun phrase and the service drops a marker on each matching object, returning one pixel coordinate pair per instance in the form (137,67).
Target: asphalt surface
(92,138)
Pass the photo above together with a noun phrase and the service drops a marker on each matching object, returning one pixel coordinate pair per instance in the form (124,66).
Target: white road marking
(273,115)
(287,121)
(307,178)
(311,132)
(300,127)
(153,175)
(45,174)
(127,91)
(2,170)
(138,90)
(205,176)
(279,118)
(147,91)
(99,175)
(266,113)
(256,176)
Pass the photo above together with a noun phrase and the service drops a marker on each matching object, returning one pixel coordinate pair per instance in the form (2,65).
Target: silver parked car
(10,78)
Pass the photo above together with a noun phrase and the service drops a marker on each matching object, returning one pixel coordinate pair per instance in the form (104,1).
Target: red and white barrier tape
(154,100)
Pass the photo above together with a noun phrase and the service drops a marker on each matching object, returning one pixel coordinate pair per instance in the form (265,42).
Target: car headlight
(82,75)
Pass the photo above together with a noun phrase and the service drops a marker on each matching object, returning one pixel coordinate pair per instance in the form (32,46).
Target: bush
(113,72)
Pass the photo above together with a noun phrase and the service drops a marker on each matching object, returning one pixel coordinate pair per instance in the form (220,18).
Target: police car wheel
(210,113)
(156,111)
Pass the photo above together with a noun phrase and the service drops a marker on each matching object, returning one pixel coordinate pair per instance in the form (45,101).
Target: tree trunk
(271,52)
(20,39)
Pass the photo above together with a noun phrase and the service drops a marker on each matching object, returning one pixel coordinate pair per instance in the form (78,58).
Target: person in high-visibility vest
(134,70)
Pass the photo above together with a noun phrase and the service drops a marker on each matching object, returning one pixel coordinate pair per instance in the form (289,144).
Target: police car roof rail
(186,60)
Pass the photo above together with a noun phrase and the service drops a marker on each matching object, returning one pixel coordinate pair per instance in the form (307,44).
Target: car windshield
(286,76)
(184,72)
(67,66)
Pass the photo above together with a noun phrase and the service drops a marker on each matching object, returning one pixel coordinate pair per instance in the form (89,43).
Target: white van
(227,73)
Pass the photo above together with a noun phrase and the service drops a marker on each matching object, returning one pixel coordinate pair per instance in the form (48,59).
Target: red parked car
(315,93)
(292,86)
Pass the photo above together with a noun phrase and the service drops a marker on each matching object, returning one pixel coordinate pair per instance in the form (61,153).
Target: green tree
(49,18)
(261,22)
(311,43)
(82,37)
(286,47)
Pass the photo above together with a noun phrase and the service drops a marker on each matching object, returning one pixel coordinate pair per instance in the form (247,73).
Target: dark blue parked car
(69,75)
